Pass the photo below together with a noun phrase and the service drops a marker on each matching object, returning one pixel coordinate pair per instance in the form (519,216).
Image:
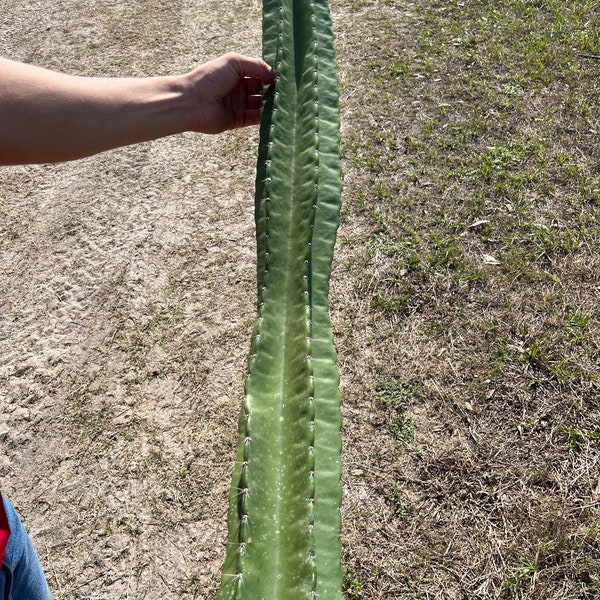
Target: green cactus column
(284,517)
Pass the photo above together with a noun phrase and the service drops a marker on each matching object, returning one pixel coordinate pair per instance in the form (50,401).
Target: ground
(464,305)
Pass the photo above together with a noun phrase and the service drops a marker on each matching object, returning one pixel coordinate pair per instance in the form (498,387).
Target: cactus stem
(286,459)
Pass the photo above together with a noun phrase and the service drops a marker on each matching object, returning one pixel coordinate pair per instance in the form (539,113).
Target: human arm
(47,116)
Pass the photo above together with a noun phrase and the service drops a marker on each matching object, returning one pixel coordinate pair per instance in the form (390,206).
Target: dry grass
(465,299)
(464,302)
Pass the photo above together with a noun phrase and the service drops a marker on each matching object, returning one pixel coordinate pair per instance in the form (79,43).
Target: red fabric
(4,530)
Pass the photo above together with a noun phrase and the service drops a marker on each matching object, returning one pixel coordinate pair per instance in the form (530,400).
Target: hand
(227,92)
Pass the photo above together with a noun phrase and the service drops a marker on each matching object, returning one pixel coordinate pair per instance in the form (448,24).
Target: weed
(396,395)
(353,585)
(396,305)
(395,498)
(577,438)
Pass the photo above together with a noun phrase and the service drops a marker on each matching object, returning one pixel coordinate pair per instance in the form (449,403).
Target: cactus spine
(284,516)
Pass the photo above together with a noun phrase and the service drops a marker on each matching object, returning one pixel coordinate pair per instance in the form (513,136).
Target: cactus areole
(284,516)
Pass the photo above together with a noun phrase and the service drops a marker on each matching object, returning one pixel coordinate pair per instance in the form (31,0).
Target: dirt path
(126,285)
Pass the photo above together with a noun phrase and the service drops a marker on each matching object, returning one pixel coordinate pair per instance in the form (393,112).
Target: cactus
(284,516)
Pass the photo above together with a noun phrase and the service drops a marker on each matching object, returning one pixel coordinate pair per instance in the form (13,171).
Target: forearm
(48,117)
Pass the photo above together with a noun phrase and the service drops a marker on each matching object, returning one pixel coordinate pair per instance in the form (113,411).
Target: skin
(47,116)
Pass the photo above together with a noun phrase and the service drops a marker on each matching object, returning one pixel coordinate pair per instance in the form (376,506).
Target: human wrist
(179,90)
(185,89)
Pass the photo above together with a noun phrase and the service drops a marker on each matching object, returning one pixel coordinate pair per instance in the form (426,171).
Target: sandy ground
(126,298)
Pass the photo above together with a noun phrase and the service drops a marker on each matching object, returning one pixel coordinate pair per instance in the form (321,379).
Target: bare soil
(127,294)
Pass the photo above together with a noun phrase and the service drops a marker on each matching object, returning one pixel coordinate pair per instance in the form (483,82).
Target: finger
(253,86)
(252,67)
(253,102)
(251,117)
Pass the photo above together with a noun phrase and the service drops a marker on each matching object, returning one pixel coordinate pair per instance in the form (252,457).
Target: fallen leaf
(488,259)
(478,223)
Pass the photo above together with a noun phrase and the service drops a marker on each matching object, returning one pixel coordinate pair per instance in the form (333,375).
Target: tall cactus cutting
(284,516)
